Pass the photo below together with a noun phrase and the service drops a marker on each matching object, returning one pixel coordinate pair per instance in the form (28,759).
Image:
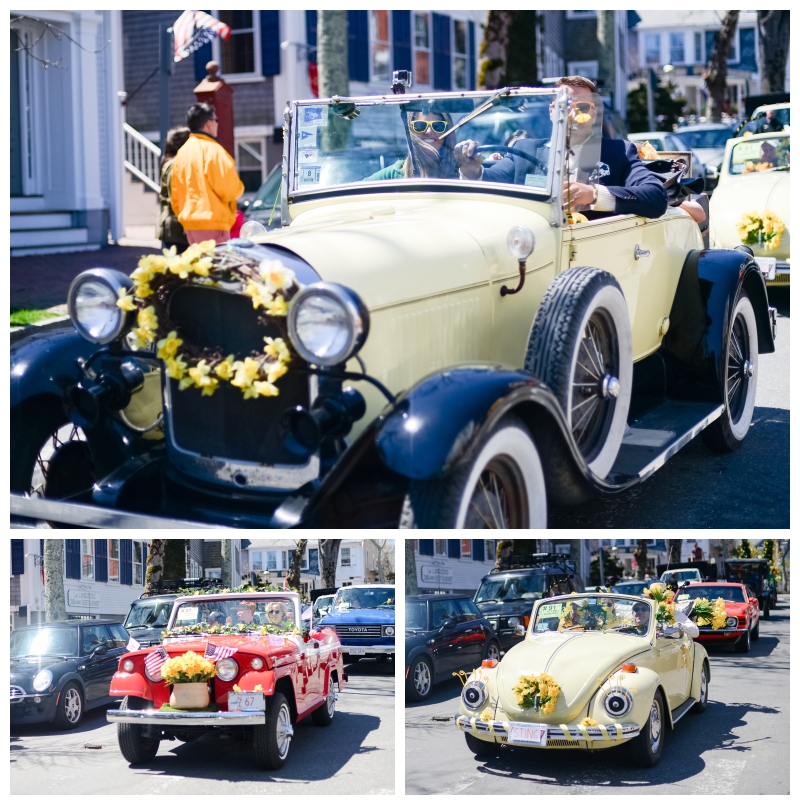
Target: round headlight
(328,323)
(474,694)
(521,242)
(256,663)
(127,666)
(92,304)
(513,622)
(732,622)
(42,680)
(618,703)
(389,631)
(227,669)
(153,677)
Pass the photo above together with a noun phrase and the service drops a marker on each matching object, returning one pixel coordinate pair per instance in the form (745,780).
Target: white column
(112,25)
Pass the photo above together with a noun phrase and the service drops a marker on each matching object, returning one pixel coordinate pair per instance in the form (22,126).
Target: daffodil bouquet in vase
(189,675)
(663,596)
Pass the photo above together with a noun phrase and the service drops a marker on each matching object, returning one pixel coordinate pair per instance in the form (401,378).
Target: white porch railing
(142,158)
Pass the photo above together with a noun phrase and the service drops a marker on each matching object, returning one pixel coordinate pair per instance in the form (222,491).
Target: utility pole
(607,50)
(165,52)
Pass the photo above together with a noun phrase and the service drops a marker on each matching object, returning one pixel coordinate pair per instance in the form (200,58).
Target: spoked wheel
(420,680)
(323,716)
(501,487)
(271,740)
(69,710)
(727,433)
(581,346)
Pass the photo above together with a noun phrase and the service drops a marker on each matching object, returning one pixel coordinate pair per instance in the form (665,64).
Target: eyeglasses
(583,106)
(274,612)
(421,126)
(641,611)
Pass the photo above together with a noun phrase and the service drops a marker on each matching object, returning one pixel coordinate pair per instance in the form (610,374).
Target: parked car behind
(682,574)
(741,607)
(708,140)
(444,634)
(63,668)
(630,587)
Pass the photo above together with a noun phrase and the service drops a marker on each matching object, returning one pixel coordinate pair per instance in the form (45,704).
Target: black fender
(695,344)
(72,676)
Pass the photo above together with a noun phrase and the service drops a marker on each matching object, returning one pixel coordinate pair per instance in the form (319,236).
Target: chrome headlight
(256,663)
(513,622)
(474,694)
(618,703)
(92,304)
(732,621)
(42,680)
(328,323)
(227,669)
(388,631)
(127,666)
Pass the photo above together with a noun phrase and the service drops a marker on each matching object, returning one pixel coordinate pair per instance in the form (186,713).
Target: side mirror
(671,632)
(99,651)
(519,630)
(449,624)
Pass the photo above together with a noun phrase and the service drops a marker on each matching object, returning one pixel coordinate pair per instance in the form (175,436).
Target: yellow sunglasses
(421,126)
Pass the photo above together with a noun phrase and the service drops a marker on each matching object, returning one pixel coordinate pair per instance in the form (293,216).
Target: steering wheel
(496,149)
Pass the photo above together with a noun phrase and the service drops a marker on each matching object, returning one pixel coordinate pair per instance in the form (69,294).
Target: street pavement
(739,745)
(701,489)
(354,755)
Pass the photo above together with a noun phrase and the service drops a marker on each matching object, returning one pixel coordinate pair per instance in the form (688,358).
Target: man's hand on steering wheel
(469,163)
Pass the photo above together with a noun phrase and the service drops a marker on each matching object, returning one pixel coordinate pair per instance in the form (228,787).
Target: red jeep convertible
(741,606)
(266,676)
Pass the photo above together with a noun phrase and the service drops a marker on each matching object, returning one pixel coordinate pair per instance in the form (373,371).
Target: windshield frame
(294,598)
(561,600)
(551,193)
(392,596)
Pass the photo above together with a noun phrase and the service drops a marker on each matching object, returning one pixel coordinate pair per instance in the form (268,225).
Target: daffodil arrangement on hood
(269,284)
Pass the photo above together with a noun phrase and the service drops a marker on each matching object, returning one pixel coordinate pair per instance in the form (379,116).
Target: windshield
(364,598)
(512,588)
(735,594)
(680,575)
(268,199)
(59,641)
(594,614)
(398,138)
(631,588)
(705,138)
(756,156)
(417,615)
(148,615)
(275,611)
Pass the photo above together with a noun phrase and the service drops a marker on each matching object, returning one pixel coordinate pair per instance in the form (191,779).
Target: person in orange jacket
(205,184)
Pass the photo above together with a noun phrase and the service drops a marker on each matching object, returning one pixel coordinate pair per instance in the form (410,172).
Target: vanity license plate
(356,651)
(246,701)
(527,734)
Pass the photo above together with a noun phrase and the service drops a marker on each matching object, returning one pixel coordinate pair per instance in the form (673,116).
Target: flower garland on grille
(268,283)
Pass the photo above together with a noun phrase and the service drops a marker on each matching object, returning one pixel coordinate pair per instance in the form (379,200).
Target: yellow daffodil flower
(588,722)
(143,290)
(276,371)
(147,318)
(176,368)
(237,689)
(258,689)
(276,348)
(142,337)
(224,369)
(249,392)
(266,389)
(275,275)
(125,301)
(181,266)
(208,247)
(254,292)
(167,347)
(186,383)
(486,715)
(194,252)
(277,307)
(202,266)
(169,254)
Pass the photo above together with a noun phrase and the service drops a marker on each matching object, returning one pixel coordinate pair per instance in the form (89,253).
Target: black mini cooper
(63,668)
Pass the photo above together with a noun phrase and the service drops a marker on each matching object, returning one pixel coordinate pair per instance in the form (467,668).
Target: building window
(581,15)
(733,56)
(490,550)
(466,548)
(256,561)
(251,163)
(345,557)
(652,48)
(698,47)
(138,562)
(460,54)
(440,547)
(422,49)
(379,36)
(113,560)
(676,48)
(87,558)
(238,53)
(588,69)
(272,560)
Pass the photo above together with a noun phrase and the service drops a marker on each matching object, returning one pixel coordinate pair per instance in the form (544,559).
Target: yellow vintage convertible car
(593,672)
(755,176)
(442,351)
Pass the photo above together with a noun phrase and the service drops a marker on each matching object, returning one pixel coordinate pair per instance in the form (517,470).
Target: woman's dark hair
(175,139)
(198,115)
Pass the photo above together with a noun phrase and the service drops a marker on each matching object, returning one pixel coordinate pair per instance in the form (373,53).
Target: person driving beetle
(641,617)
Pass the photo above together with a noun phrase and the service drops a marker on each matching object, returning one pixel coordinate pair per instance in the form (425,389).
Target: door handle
(637,252)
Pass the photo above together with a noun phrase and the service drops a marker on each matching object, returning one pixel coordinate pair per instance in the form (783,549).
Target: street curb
(18,333)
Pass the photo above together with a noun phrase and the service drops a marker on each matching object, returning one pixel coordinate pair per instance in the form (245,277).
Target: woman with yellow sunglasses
(433,152)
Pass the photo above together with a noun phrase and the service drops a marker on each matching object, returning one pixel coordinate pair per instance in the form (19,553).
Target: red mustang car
(268,676)
(741,606)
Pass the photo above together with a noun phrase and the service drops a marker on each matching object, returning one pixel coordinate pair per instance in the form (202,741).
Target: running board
(650,441)
(679,712)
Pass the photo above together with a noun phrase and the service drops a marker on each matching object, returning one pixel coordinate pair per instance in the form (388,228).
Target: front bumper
(720,635)
(236,718)
(26,710)
(498,730)
(365,651)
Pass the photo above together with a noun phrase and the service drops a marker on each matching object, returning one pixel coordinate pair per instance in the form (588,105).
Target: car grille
(225,425)
(358,631)
(16,693)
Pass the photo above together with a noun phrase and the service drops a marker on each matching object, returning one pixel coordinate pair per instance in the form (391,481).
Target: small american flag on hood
(155,659)
(193,29)
(133,645)
(216,653)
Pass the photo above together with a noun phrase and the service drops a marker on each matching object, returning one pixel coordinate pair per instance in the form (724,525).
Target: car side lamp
(489,663)
(521,242)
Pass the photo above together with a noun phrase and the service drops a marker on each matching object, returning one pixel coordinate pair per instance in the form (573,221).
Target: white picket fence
(142,158)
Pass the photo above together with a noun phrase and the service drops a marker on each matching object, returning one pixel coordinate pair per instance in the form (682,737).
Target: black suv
(444,634)
(506,596)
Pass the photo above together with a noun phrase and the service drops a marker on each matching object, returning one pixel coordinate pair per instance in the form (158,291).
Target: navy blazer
(636,189)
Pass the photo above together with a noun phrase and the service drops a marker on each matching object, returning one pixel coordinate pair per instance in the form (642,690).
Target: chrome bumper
(499,729)
(234,718)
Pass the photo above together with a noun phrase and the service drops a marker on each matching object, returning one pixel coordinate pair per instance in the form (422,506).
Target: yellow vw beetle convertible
(414,346)
(594,671)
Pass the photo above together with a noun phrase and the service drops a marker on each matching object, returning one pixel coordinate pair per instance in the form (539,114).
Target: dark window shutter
(747,50)
(311,35)
(358,45)
(270,43)
(401,40)
(126,561)
(144,562)
(73,563)
(442,74)
(473,66)
(202,56)
(711,38)
(477,550)
(101,560)
(17,557)
(454,548)
(426,547)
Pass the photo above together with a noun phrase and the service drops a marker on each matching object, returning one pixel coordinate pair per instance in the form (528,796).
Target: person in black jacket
(628,187)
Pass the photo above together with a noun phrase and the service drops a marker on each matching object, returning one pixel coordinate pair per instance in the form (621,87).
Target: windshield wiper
(488,601)
(131,628)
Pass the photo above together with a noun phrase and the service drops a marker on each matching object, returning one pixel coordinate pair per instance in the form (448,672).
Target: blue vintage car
(363,617)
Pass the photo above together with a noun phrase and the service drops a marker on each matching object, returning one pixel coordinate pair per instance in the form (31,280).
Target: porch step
(49,237)
(27,204)
(24,221)
(67,247)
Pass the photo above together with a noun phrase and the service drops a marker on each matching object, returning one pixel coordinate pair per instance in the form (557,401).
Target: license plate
(767,266)
(356,651)
(527,734)
(246,701)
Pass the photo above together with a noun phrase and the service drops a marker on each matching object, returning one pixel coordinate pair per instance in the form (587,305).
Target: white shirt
(689,626)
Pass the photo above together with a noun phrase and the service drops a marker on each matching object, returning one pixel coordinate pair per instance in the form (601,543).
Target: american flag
(215,653)
(193,29)
(155,659)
